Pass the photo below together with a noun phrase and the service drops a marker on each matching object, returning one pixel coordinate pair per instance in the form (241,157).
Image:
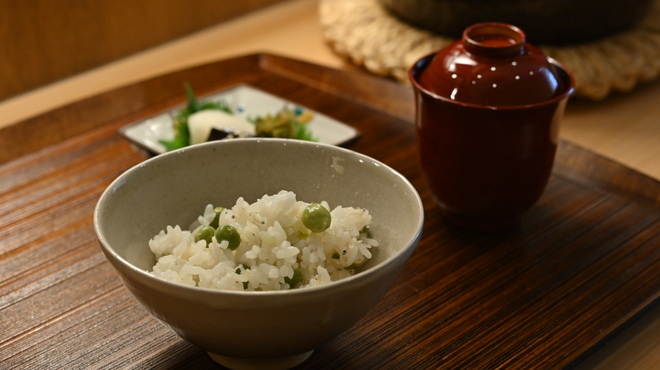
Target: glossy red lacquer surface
(492,65)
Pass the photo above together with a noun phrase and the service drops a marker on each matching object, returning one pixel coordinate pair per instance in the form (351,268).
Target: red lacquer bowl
(488,110)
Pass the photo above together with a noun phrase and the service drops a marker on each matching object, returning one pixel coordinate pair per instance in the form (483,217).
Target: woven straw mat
(362,31)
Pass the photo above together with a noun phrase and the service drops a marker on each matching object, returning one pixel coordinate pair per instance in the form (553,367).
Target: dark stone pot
(544,21)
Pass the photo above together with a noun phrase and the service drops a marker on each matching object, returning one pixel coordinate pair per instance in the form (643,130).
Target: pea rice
(276,249)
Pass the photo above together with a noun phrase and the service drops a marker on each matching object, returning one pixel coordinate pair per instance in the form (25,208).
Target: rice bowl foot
(287,362)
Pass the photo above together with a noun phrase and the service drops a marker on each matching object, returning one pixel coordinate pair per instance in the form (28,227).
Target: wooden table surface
(583,264)
(625,127)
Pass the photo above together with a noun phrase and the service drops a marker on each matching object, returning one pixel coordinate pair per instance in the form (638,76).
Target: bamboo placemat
(365,33)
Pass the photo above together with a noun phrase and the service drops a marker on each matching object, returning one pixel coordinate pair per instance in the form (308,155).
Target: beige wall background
(43,41)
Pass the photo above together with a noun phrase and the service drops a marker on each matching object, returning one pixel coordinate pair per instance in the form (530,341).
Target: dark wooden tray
(582,265)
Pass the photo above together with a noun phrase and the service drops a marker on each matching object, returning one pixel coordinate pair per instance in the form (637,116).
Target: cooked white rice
(274,242)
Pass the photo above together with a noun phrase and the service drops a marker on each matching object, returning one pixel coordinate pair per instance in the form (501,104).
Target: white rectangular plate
(245,101)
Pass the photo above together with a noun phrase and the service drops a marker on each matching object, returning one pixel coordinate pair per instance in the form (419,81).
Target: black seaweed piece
(221,134)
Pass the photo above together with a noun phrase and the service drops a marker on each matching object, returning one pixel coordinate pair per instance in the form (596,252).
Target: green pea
(316,218)
(295,279)
(216,219)
(205,233)
(230,234)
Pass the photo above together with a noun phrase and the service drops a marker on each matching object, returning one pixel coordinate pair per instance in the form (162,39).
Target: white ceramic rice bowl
(240,329)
